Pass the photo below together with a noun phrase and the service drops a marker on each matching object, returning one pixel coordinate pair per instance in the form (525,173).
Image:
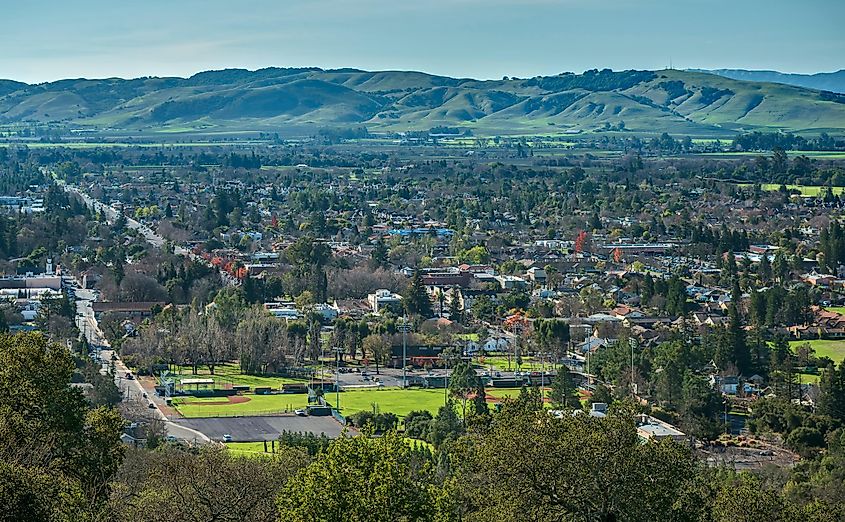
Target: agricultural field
(835,349)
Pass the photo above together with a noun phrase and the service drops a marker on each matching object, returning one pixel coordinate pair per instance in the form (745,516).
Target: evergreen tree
(832,392)
(416,298)
(564,394)
(379,259)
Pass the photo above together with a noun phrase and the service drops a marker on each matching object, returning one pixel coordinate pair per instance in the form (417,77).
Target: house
(509,282)
(826,324)
(816,279)
(652,429)
(537,275)
(283,310)
(384,299)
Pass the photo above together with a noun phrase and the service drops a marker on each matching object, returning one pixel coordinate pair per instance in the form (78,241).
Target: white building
(382,299)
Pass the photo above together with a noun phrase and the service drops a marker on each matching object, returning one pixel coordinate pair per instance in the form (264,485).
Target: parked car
(301,413)
(227,438)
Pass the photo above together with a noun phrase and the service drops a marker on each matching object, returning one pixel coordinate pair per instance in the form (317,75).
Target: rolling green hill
(682,102)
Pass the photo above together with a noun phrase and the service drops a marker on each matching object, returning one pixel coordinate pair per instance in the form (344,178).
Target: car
(301,413)
(151,406)
(144,395)
(129,376)
(767,453)
(171,438)
(227,438)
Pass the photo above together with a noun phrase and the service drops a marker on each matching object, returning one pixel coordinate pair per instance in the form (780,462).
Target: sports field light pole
(337,351)
(404,350)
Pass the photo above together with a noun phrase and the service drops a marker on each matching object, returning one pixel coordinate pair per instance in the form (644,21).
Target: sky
(45,40)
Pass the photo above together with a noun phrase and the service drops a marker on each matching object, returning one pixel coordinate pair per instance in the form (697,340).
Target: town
(278,296)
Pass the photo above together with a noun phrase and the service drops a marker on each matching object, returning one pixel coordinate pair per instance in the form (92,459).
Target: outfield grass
(386,400)
(389,400)
(835,349)
(256,405)
(231,374)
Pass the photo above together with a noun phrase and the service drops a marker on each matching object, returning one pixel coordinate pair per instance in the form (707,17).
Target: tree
(173,483)
(378,348)
(564,394)
(463,382)
(417,424)
(534,466)
(360,479)
(416,298)
(49,437)
(379,258)
(455,311)
(445,427)
(832,392)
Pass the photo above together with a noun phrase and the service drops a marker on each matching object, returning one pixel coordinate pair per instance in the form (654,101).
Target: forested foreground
(62,460)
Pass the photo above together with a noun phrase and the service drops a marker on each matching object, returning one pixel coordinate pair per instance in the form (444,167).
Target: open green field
(500,362)
(248,449)
(230,374)
(835,349)
(254,405)
(385,400)
(805,190)
(389,400)
(837,309)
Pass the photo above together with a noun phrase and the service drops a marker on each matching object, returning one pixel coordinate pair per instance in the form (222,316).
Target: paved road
(151,237)
(130,387)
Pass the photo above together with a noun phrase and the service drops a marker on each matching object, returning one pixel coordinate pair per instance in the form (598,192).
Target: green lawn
(389,400)
(805,190)
(837,309)
(835,349)
(257,405)
(248,449)
(809,378)
(500,362)
(231,374)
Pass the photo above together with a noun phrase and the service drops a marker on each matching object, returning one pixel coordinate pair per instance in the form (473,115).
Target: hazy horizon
(188,75)
(46,40)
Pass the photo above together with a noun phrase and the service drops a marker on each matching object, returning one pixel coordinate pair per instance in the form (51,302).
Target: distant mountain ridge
(832,81)
(678,102)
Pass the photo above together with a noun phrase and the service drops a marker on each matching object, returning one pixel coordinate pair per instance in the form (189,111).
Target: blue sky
(44,40)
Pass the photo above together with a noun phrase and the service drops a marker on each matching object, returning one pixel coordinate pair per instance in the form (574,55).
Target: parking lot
(256,429)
